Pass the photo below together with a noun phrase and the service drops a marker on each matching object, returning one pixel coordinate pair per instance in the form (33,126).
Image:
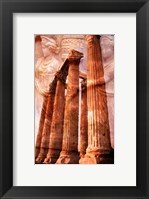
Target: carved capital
(62,75)
(91,39)
(74,56)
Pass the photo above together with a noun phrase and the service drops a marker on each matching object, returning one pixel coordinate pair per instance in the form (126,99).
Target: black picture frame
(7,8)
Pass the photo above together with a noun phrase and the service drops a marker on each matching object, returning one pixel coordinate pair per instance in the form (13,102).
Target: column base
(39,160)
(41,156)
(52,156)
(98,158)
(51,160)
(68,158)
(37,151)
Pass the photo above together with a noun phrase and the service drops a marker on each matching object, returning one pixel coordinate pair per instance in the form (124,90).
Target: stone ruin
(58,137)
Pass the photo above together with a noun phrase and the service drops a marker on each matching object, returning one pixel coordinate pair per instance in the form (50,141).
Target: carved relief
(107,50)
(47,65)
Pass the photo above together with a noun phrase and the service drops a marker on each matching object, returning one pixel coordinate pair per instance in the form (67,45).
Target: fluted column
(69,154)
(99,146)
(83,122)
(56,135)
(47,124)
(41,125)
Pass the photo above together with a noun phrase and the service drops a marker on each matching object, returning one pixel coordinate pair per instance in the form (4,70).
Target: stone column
(47,124)
(83,122)
(56,135)
(99,146)
(41,125)
(69,153)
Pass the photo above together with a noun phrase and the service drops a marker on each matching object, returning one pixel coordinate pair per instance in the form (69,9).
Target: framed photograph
(74,99)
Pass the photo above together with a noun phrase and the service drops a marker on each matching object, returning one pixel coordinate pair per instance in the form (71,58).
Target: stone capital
(74,56)
(62,75)
(90,38)
(52,86)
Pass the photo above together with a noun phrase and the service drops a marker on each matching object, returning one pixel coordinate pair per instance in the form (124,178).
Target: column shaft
(83,123)
(69,154)
(56,135)
(99,146)
(41,125)
(47,124)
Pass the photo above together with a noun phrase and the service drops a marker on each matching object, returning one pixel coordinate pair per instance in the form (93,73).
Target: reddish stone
(47,124)
(56,135)
(98,123)
(41,125)
(83,122)
(69,154)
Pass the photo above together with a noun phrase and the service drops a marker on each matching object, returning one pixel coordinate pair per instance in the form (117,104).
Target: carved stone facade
(70,42)
(76,42)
